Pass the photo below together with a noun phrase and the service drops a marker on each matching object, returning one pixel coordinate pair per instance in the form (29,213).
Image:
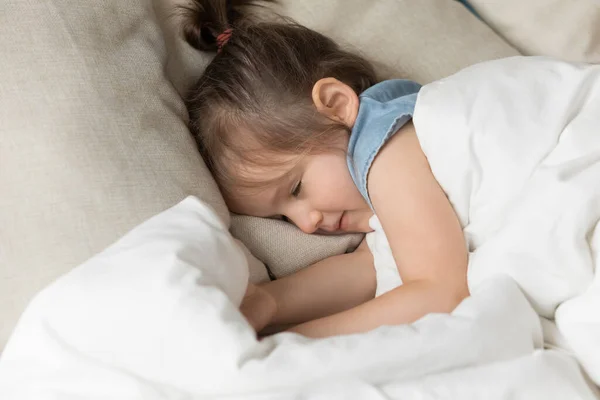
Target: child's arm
(330,286)
(425,237)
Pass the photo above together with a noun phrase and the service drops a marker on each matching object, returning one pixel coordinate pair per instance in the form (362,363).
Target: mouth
(337,228)
(342,224)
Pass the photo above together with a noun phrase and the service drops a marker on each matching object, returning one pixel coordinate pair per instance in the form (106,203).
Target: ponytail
(205,20)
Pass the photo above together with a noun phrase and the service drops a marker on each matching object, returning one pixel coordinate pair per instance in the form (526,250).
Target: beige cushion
(567,29)
(92,138)
(284,248)
(422,40)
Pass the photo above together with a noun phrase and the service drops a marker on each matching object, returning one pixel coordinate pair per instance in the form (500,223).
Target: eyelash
(297,188)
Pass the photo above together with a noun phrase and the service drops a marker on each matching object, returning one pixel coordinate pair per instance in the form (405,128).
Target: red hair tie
(223,38)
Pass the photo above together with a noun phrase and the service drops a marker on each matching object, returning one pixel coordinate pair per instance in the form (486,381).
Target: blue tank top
(383,109)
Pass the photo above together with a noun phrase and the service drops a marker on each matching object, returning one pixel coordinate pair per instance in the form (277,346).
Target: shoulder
(383,110)
(417,217)
(405,143)
(400,173)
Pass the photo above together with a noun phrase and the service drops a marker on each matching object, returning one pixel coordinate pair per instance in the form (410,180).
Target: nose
(306,219)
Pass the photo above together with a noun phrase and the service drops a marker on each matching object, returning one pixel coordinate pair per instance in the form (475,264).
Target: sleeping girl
(294,127)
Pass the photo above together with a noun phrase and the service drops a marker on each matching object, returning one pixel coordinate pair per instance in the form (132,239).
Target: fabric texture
(514,144)
(383,109)
(419,40)
(93,138)
(284,248)
(566,29)
(155,317)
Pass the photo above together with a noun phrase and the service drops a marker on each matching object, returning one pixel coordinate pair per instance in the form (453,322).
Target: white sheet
(155,315)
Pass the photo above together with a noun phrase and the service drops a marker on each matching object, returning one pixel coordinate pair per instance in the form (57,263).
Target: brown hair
(256,93)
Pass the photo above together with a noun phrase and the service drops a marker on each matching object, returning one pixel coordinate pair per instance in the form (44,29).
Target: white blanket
(155,315)
(515,144)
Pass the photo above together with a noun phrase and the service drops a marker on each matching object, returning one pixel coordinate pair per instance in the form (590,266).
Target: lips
(343,222)
(337,227)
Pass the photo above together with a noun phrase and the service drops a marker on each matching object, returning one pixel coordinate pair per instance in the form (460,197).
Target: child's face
(317,194)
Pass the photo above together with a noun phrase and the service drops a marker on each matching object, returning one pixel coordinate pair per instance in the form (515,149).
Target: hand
(258,306)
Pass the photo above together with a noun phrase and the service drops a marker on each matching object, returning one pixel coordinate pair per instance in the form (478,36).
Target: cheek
(336,186)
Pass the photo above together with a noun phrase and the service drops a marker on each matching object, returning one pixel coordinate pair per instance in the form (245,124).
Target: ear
(336,100)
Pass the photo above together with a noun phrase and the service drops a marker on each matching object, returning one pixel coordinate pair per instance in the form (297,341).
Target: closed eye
(286,219)
(297,189)
(281,218)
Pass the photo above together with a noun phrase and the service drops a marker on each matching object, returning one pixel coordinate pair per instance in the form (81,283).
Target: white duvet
(516,145)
